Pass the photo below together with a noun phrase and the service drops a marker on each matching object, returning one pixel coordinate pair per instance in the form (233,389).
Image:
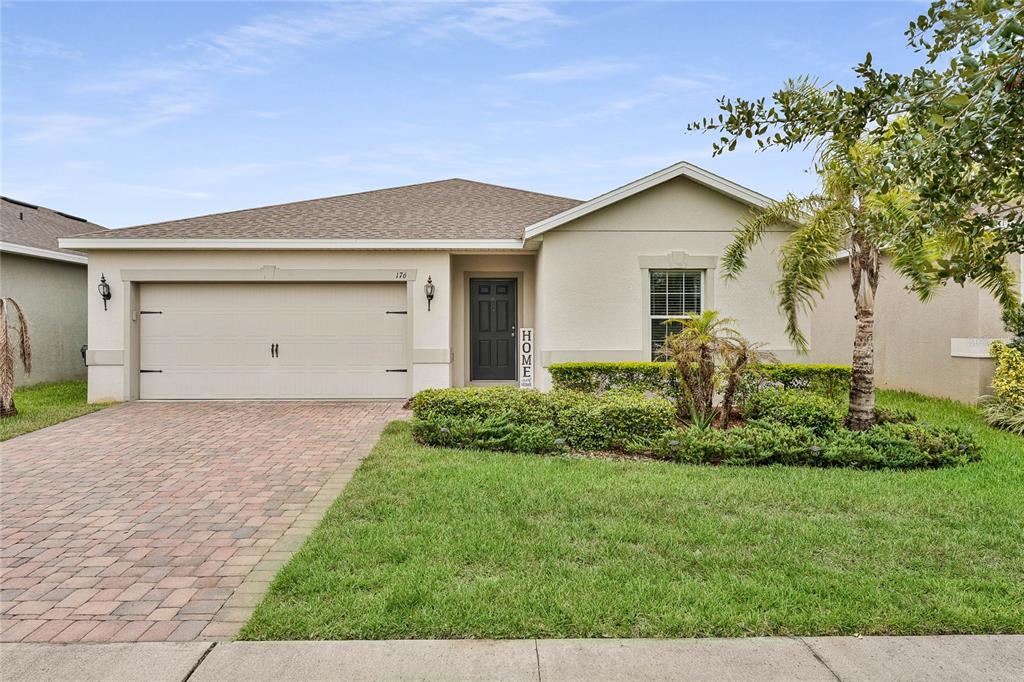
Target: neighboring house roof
(681,169)
(34,230)
(444,210)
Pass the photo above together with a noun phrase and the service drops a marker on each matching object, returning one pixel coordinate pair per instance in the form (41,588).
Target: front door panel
(492,336)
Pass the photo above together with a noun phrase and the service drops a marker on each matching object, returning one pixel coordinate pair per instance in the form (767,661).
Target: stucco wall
(912,338)
(53,296)
(109,339)
(592,282)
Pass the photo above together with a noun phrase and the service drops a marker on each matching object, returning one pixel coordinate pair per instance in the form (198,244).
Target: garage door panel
(213,340)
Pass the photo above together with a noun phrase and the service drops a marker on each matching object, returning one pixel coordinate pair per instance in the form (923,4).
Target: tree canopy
(952,133)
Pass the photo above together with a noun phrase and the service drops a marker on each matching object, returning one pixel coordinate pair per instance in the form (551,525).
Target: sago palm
(12,317)
(851,213)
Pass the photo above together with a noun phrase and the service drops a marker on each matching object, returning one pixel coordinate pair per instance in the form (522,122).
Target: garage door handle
(396,370)
(273,350)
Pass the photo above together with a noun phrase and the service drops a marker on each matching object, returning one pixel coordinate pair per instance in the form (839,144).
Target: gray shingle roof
(446,209)
(39,227)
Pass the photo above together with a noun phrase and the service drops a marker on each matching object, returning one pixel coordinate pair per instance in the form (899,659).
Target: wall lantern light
(428,289)
(104,290)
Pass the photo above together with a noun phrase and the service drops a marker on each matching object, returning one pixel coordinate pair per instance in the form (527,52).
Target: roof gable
(681,169)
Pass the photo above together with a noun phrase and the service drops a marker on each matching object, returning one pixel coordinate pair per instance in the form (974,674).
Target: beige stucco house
(939,347)
(49,282)
(328,298)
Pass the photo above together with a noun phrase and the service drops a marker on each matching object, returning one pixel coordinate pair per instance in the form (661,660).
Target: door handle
(273,350)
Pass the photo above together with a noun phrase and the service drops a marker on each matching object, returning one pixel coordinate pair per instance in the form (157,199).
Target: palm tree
(853,212)
(7,306)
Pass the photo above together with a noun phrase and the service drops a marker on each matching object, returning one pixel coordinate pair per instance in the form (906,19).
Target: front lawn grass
(434,543)
(44,405)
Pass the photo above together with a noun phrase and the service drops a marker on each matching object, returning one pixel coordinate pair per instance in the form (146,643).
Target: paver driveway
(166,520)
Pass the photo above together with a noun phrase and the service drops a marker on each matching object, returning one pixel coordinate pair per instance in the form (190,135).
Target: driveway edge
(228,621)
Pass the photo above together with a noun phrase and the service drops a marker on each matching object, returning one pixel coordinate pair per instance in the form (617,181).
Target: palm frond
(807,258)
(24,337)
(752,230)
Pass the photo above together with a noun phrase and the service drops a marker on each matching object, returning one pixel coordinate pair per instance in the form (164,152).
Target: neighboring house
(49,282)
(939,347)
(326,298)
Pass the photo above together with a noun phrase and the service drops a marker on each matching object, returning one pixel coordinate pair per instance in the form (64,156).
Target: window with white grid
(674,293)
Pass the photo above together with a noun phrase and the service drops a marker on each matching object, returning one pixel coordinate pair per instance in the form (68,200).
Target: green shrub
(1008,379)
(494,433)
(661,378)
(615,421)
(832,381)
(507,418)
(524,407)
(657,378)
(900,446)
(764,442)
(756,442)
(795,408)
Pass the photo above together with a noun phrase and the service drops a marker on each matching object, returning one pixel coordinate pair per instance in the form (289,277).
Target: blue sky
(128,113)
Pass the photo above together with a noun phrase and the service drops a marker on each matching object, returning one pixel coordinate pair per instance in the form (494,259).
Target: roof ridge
(339,196)
(40,207)
(515,189)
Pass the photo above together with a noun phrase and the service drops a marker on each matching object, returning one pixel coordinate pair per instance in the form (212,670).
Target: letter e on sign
(526,357)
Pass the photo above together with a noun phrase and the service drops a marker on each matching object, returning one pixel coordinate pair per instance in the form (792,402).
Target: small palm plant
(12,317)
(741,357)
(707,351)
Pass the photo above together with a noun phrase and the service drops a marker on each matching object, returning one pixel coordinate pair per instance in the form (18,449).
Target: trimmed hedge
(507,418)
(660,378)
(612,421)
(764,442)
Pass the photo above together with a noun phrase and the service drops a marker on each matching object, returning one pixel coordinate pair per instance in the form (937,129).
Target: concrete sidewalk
(934,659)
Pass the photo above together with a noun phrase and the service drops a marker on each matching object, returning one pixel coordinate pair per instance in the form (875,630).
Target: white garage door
(256,340)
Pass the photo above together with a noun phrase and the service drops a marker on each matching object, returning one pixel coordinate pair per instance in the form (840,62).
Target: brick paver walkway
(166,520)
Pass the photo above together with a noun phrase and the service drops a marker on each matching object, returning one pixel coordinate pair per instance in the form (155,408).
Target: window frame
(653,319)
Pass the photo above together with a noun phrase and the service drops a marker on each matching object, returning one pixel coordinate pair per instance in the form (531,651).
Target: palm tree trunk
(862,380)
(864,266)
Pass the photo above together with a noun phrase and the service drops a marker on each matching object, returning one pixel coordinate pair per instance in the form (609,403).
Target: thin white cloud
(54,127)
(173,86)
(579,71)
(36,47)
(153,189)
(515,24)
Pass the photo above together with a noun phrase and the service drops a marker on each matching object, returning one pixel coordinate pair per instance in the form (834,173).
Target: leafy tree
(925,167)
(964,138)
(846,214)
